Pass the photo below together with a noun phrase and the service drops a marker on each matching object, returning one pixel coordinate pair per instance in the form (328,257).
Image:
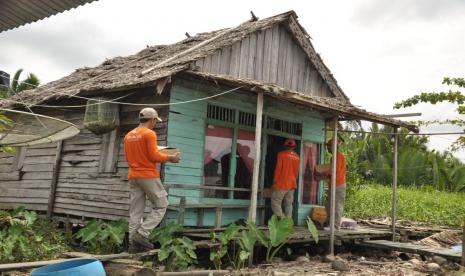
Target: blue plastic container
(76,267)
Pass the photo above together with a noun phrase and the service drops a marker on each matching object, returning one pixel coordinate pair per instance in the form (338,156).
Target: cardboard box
(322,168)
(168,150)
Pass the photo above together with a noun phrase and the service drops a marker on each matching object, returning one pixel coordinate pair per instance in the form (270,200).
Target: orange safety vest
(287,170)
(142,155)
(340,169)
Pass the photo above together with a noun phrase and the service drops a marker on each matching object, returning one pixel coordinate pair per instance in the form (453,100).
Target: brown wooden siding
(271,56)
(81,190)
(30,185)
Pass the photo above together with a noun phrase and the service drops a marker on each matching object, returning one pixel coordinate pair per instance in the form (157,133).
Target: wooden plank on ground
(414,248)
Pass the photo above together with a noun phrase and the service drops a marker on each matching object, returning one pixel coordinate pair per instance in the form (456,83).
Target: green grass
(435,207)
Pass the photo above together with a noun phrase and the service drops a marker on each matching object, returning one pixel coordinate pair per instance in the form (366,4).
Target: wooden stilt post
(332,198)
(54,183)
(463,244)
(256,164)
(394,185)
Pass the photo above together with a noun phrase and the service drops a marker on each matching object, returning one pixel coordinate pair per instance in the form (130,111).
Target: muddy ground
(356,265)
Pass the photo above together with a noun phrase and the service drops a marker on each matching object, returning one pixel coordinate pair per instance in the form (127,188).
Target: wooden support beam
(256,165)
(463,245)
(182,210)
(333,188)
(200,212)
(54,183)
(394,185)
(218,213)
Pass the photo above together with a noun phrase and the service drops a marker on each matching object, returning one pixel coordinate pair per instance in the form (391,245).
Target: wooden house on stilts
(228,99)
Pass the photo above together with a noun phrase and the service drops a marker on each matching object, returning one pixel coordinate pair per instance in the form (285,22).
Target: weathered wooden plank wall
(271,56)
(82,190)
(25,177)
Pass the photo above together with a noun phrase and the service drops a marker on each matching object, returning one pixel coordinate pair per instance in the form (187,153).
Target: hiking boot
(142,241)
(135,248)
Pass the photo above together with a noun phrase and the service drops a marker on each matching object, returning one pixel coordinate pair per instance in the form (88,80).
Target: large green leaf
(229,234)
(281,229)
(264,240)
(164,234)
(248,239)
(89,232)
(312,229)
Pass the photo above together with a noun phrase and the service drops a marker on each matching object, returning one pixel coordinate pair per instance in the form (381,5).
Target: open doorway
(275,144)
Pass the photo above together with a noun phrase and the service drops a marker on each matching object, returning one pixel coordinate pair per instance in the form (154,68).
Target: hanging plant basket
(100,117)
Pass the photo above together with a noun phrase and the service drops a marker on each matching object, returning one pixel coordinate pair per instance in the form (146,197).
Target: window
(244,163)
(217,158)
(310,187)
(221,113)
(284,126)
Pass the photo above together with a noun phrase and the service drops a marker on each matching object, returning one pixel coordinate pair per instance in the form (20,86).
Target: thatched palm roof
(153,63)
(148,66)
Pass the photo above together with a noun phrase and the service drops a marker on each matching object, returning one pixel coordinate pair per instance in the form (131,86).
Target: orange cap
(289,142)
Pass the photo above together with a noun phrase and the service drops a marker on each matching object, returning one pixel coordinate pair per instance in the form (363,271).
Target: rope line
(100,101)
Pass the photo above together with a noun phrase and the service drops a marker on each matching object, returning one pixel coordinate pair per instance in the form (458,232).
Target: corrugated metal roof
(15,13)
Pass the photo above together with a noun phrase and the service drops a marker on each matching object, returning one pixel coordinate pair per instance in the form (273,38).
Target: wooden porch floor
(302,234)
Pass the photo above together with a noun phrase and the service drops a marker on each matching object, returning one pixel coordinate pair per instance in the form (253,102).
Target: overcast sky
(379,51)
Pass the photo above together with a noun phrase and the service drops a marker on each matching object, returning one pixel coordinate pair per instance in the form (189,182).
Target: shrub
(25,237)
(430,206)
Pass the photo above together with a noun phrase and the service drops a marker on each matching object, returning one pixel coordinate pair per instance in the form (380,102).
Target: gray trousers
(340,200)
(141,189)
(280,198)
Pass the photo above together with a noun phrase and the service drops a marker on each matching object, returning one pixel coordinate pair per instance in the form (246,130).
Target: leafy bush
(281,230)
(24,237)
(430,206)
(102,237)
(176,253)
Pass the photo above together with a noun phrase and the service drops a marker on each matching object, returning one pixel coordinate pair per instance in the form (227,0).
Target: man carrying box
(142,155)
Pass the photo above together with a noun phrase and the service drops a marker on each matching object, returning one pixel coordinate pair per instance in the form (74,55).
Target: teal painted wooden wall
(186,131)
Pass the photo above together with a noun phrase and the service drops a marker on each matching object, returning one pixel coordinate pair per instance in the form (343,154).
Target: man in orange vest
(285,179)
(340,186)
(142,155)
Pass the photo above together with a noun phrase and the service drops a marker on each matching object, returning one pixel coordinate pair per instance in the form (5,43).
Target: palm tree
(16,86)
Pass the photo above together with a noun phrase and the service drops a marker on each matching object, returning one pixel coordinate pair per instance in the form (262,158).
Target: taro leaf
(248,240)
(228,234)
(89,232)
(280,230)
(312,229)
(264,240)
(164,234)
(164,253)
(180,253)
(115,231)
(186,242)
(244,255)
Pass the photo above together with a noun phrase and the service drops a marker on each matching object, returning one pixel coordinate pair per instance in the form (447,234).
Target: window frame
(265,132)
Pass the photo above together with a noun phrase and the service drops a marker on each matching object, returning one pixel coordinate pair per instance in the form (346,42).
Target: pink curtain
(310,185)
